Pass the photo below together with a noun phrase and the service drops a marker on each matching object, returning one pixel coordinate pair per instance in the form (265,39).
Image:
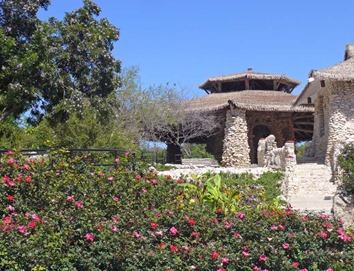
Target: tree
(56,66)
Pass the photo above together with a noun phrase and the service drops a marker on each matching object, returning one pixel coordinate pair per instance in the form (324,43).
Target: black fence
(153,157)
(113,153)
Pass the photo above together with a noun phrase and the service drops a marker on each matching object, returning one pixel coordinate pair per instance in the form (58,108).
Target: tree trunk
(174,154)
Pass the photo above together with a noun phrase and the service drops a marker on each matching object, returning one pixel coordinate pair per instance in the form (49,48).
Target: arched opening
(258,132)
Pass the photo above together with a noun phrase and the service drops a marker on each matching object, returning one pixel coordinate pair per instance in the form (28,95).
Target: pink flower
(238,235)
(11,161)
(9,152)
(191,222)
(329,269)
(286,246)
(240,215)
(10,197)
(214,255)
(225,260)
(153,225)
(115,199)
(116,160)
(273,227)
(70,198)
(303,269)
(288,212)
(154,182)
(114,229)
(32,224)
(25,166)
(281,226)
(295,264)
(137,235)
(262,258)
(28,179)
(89,237)
(11,184)
(173,248)
(324,235)
(185,248)
(6,179)
(110,178)
(79,204)
(7,220)
(227,225)
(195,233)
(245,253)
(36,217)
(138,177)
(255,268)
(173,231)
(21,229)
(11,208)
(169,212)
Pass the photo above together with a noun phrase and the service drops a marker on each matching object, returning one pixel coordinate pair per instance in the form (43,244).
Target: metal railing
(72,152)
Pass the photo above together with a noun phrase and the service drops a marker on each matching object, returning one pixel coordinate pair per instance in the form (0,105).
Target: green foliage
(301,149)
(346,162)
(11,134)
(55,66)
(196,151)
(59,213)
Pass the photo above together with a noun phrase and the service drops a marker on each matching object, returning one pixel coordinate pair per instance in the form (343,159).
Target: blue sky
(186,42)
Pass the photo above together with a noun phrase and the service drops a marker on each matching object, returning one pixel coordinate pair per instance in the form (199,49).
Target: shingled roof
(208,84)
(252,100)
(343,71)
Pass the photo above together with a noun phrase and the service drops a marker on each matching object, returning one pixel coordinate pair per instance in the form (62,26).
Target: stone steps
(310,188)
(200,162)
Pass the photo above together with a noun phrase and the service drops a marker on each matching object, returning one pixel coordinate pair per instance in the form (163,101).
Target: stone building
(252,106)
(332,92)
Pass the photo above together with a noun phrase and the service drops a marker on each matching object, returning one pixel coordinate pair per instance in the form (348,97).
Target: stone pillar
(174,154)
(236,149)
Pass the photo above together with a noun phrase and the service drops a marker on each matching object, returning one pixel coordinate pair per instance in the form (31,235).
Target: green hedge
(62,214)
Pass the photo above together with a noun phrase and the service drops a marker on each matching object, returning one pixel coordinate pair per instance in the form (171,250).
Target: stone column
(236,151)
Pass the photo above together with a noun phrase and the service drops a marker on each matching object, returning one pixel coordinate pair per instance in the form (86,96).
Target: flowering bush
(62,214)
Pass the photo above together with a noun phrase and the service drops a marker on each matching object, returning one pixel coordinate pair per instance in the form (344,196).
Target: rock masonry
(236,150)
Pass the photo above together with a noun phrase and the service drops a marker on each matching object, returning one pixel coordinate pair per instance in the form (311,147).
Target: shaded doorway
(258,132)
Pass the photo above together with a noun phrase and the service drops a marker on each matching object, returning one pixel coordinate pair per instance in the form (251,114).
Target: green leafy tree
(57,66)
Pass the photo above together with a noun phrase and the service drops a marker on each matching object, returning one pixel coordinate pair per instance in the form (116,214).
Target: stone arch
(258,132)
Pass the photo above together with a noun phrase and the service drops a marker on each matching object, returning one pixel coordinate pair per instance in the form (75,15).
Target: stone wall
(235,145)
(280,125)
(334,119)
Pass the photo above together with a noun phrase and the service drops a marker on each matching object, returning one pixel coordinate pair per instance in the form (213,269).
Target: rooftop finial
(249,69)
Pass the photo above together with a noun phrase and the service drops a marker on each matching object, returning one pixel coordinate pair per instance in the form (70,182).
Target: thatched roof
(252,100)
(209,84)
(343,71)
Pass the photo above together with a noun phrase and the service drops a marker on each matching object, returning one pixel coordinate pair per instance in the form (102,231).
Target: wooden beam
(310,116)
(303,130)
(303,122)
(247,84)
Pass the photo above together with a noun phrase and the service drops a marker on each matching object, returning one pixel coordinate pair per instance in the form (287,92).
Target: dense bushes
(346,162)
(58,214)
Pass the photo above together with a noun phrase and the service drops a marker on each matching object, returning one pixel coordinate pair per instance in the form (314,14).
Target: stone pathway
(310,188)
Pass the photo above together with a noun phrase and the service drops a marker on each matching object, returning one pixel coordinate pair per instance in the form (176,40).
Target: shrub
(62,214)
(346,162)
